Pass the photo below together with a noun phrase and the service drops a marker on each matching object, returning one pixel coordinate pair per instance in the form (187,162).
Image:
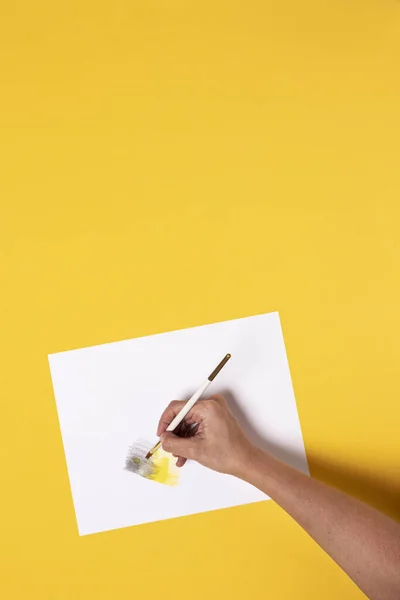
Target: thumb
(185,447)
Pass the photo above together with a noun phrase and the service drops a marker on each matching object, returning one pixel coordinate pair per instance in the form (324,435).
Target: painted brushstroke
(161,467)
(166,471)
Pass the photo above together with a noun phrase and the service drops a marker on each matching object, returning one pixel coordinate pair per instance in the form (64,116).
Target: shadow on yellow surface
(366,485)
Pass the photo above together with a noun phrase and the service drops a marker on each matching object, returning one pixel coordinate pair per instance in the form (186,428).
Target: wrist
(249,463)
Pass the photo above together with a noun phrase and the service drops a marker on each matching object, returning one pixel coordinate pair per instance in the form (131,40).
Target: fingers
(219,399)
(181,447)
(180,460)
(169,413)
(183,430)
(183,442)
(198,411)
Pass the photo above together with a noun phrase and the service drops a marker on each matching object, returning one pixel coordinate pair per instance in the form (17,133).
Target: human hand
(209,434)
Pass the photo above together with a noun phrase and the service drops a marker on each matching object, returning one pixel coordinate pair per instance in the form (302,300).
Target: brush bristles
(137,461)
(153,450)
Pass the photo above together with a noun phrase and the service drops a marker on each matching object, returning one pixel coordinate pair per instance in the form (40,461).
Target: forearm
(365,543)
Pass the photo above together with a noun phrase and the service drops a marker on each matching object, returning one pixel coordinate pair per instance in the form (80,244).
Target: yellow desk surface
(167,164)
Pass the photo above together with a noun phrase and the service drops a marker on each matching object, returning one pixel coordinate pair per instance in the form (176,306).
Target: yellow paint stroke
(166,471)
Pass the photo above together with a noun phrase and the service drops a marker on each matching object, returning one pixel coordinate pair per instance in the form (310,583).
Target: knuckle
(166,443)
(219,398)
(175,405)
(210,406)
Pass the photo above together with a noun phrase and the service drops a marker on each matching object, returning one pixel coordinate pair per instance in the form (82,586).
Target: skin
(361,540)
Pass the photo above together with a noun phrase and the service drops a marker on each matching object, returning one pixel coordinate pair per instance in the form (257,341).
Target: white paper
(110,395)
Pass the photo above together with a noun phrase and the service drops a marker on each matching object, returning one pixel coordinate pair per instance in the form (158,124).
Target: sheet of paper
(108,396)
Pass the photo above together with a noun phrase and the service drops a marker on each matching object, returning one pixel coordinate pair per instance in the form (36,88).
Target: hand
(209,434)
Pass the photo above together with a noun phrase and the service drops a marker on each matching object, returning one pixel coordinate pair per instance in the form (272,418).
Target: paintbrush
(190,403)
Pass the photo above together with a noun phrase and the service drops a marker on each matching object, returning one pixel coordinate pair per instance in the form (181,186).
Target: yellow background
(167,164)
